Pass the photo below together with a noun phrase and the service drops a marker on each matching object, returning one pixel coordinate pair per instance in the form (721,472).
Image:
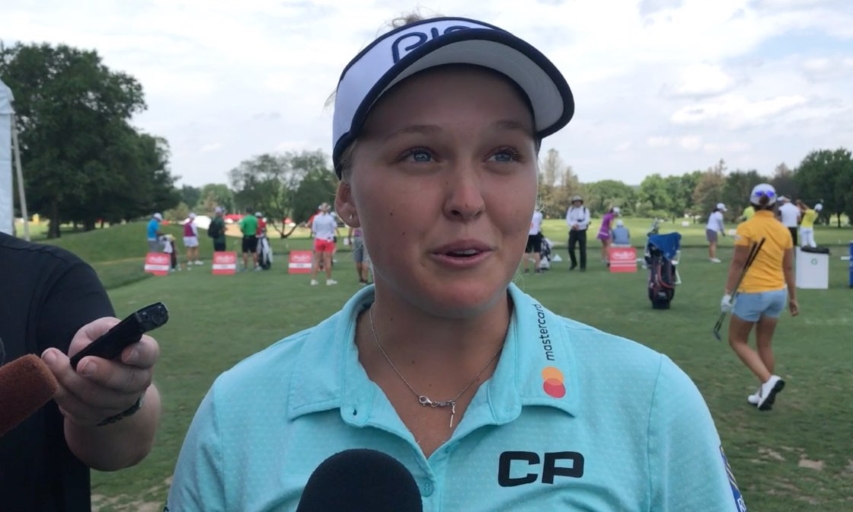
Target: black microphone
(361,480)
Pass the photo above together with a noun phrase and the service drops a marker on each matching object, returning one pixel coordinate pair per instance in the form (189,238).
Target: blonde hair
(410,19)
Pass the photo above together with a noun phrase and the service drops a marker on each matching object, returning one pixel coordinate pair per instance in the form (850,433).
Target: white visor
(763,190)
(437,42)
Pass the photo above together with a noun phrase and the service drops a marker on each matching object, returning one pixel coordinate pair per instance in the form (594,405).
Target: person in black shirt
(52,304)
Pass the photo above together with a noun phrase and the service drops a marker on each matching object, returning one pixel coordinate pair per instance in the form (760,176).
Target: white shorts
(191,241)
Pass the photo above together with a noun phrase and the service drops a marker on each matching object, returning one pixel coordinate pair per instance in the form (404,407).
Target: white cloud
(690,143)
(658,142)
(702,80)
(828,68)
(729,148)
(218,71)
(736,111)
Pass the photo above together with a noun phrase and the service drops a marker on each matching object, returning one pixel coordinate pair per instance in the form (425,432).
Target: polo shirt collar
(536,368)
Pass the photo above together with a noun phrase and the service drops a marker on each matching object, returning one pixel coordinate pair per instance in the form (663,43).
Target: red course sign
(224,263)
(300,262)
(158,263)
(623,259)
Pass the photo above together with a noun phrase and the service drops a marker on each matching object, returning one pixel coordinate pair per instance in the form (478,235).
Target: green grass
(218,320)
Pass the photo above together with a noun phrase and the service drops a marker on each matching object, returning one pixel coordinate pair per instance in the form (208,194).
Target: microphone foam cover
(26,384)
(361,480)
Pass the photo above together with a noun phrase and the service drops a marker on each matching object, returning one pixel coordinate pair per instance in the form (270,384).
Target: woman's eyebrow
(422,129)
(513,125)
(432,129)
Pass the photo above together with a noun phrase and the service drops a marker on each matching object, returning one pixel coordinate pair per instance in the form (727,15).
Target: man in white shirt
(790,217)
(534,243)
(577,218)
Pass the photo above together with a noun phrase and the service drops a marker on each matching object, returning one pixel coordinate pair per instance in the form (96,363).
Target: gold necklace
(423,399)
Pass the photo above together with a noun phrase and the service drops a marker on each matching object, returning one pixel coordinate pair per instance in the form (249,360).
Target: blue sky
(661,86)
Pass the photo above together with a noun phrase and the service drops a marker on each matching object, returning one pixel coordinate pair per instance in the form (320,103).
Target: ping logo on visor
(408,41)
(440,41)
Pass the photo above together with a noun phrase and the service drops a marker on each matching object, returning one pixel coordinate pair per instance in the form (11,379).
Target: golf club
(753,252)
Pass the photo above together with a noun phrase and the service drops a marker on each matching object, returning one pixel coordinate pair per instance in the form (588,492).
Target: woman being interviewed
(762,292)
(490,400)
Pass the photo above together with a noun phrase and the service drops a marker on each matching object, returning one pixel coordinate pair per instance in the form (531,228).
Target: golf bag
(660,251)
(264,253)
(546,255)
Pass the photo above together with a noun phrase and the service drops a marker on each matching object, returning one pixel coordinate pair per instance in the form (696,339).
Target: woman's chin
(462,298)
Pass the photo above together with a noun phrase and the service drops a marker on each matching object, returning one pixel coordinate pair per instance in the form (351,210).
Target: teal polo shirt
(572,419)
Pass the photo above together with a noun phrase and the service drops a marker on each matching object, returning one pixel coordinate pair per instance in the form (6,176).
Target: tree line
(84,162)
(824,176)
(280,186)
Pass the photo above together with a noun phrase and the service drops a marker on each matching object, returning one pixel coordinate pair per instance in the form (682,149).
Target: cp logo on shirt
(513,465)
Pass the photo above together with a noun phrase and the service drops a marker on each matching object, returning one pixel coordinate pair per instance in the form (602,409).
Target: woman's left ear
(345,207)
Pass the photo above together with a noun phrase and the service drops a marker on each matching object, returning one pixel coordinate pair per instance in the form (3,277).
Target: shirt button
(427,488)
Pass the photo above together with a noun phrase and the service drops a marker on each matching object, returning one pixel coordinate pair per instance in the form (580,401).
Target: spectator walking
(762,293)
(577,218)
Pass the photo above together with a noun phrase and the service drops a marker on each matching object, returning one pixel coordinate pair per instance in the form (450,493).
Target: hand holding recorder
(114,363)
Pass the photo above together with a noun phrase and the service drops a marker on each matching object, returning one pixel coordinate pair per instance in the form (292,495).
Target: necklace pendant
(452,412)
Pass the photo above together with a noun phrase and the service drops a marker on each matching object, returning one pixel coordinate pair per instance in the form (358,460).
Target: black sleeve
(77,298)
